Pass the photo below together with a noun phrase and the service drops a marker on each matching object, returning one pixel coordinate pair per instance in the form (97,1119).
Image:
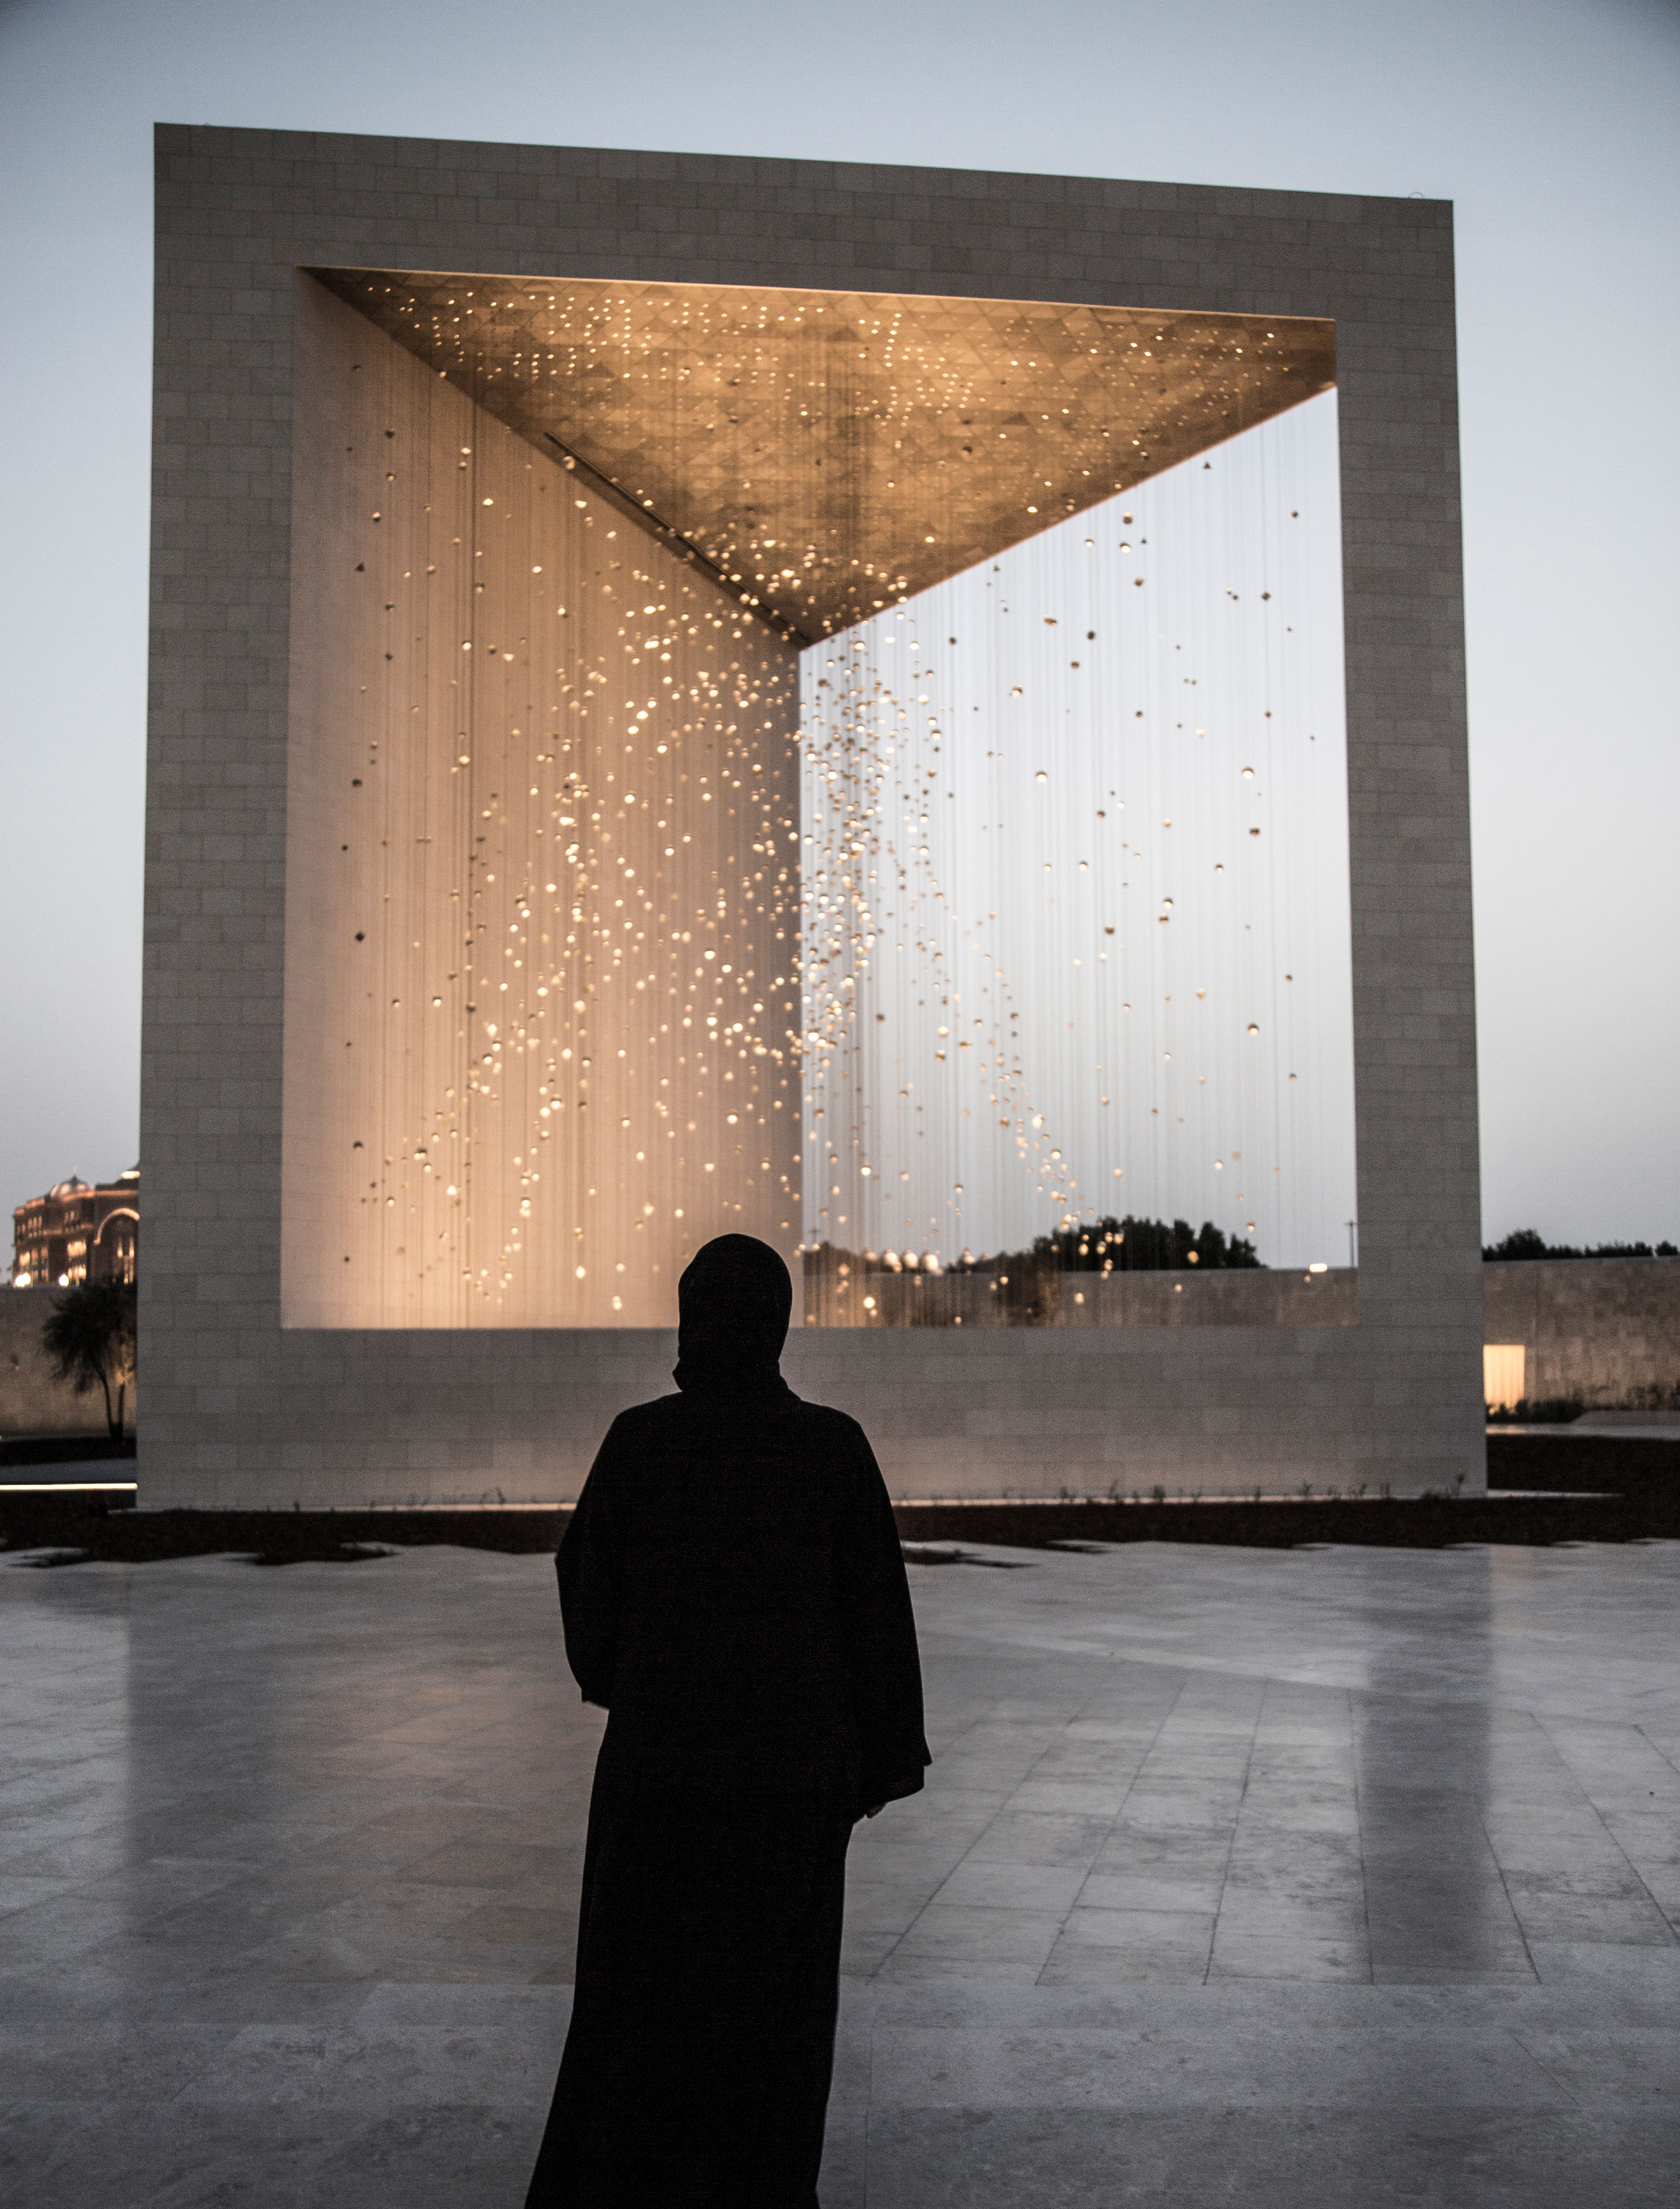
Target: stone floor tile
(101,2059)
(1297,1862)
(1199,1852)
(885,1905)
(186,2156)
(1104,1890)
(1166,1962)
(1496,2159)
(1296,1954)
(360,2067)
(1049,1838)
(965,1932)
(1088,1797)
(1167,1808)
(1266,1914)
(996,1883)
(345,1859)
(1606,1876)
(1618,1963)
(1415,1968)
(906,1967)
(493,1861)
(428,2158)
(1636,1919)
(864,1952)
(842,2182)
(1616,2063)
(1125,1928)
(21,1891)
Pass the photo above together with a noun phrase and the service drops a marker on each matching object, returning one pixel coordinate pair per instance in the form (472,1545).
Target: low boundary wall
(33,1401)
(1605,1331)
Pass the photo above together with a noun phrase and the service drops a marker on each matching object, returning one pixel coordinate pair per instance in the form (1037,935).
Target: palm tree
(90,1338)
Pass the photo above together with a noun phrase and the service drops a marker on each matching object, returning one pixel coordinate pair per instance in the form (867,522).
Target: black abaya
(734,1594)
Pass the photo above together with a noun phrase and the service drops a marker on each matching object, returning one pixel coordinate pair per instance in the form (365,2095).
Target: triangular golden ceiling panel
(828,453)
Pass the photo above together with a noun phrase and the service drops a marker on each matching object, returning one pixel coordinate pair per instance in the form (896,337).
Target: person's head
(733,1303)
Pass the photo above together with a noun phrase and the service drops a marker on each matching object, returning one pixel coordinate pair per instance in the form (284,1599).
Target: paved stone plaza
(1310,1878)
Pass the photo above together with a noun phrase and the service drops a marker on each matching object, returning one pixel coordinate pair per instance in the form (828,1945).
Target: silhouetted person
(734,1596)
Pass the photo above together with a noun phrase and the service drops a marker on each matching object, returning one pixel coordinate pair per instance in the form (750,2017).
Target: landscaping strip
(1544,1489)
(79,1524)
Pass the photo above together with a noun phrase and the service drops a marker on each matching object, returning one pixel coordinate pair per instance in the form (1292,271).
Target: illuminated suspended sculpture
(569,544)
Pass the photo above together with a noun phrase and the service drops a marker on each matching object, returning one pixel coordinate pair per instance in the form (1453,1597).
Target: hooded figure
(734,1596)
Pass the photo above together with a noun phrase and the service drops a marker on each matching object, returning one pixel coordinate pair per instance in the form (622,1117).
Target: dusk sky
(1555,128)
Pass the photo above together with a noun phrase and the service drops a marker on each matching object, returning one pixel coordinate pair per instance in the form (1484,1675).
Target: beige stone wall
(541,878)
(1604,1330)
(517,1414)
(239,1405)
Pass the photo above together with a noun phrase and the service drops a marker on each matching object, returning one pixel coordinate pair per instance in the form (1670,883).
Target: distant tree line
(1027,1283)
(1130,1246)
(1108,1246)
(1528,1242)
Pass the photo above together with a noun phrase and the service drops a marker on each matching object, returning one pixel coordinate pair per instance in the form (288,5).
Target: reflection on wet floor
(1215,1841)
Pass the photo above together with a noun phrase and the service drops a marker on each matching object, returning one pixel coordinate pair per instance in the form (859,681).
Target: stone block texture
(33,1401)
(1605,1331)
(241,1408)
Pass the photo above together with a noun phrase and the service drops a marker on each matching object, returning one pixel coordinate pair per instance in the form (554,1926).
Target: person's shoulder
(836,1428)
(638,1418)
(637,1425)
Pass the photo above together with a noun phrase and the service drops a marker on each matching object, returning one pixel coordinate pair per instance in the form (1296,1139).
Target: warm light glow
(577,976)
(1503,1375)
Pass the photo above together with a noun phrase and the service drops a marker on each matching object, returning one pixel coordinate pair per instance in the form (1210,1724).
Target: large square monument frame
(240,1409)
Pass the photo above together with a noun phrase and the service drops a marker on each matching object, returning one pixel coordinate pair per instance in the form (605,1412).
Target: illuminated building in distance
(78,1231)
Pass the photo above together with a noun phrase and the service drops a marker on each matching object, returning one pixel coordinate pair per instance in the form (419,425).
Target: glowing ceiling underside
(827,452)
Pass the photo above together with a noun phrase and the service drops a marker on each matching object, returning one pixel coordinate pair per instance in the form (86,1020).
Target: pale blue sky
(1554,125)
